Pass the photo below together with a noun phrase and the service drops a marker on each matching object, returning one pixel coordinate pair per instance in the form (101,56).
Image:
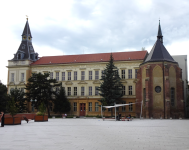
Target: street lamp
(33,104)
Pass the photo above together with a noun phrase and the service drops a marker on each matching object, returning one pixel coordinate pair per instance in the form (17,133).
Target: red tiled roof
(87,58)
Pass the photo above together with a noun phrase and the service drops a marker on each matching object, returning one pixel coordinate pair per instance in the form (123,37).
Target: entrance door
(82,109)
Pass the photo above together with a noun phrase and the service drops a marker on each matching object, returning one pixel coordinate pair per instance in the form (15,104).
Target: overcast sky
(69,27)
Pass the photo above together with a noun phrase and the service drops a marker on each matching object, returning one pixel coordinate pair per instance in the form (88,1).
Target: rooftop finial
(26,17)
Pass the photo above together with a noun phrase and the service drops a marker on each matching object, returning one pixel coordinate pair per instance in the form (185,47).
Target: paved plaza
(95,134)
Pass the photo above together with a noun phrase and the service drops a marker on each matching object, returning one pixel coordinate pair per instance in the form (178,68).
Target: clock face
(158,89)
(24,37)
(29,38)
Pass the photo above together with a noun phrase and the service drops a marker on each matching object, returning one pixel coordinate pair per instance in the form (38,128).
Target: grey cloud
(116,25)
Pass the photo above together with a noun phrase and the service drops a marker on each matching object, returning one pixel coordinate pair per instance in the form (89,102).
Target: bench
(125,118)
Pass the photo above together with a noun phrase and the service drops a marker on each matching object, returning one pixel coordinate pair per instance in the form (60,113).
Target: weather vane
(27,17)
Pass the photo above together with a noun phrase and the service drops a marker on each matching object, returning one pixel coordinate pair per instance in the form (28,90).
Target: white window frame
(57,76)
(75,75)
(130,90)
(12,77)
(51,75)
(96,91)
(96,74)
(75,91)
(90,106)
(129,73)
(90,75)
(130,106)
(69,76)
(123,74)
(82,91)
(96,106)
(90,90)
(63,76)
(82,75)
(22,77)
(69,91)
(75,106)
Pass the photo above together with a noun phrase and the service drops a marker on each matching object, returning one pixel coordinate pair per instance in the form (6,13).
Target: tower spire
(159,35)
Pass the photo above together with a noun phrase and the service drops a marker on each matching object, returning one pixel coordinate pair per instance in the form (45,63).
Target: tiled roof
(87,58)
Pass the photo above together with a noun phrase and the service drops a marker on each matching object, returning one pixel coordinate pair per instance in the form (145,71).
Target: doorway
(82,109)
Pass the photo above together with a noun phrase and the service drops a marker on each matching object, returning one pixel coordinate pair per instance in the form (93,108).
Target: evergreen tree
(61,103)
(19,99)
(3,97)
(111,87)
(11,107)
(39,87)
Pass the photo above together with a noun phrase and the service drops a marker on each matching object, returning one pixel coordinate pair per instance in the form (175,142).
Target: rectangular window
(96,91)
(69,91)
(90,106)
(130,90)
(51,75)
(123,90)
(82,75)
(136,70)
(82,91)
(22,77)
(123,107)
(90,90)
(75,106)
(90,75)
(69,75)
(75,75)
(63,76)
(123,74)
(109,109)
(57,76)
(75,91)
(130,106)
(96,75)
(96,106)
(130,74)
(12,77)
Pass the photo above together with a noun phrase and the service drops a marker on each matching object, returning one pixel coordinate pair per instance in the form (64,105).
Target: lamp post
(33,104)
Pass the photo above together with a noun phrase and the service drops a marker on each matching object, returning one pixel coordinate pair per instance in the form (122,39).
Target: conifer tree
(40,88)
(111,87)
(61,103)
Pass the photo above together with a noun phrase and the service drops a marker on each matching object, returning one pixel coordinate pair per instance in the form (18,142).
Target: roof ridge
(93,53)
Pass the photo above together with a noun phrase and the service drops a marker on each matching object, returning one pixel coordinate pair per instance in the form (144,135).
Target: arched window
(172,96)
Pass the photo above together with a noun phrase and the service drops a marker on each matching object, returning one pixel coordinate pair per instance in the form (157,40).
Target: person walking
(2,119)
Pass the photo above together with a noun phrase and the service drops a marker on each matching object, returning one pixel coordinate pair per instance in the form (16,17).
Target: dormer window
(19,56)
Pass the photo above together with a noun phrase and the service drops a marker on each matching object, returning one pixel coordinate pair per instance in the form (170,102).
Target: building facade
(80,76)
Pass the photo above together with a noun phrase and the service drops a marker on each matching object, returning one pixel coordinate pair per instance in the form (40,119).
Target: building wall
(182,61)
(154,104)
(57,71)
